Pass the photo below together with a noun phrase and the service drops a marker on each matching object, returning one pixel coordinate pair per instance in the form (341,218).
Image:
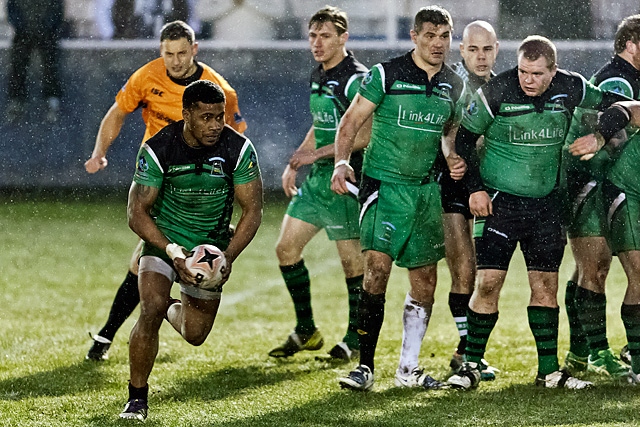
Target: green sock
(577,339)
(296,277)
(480,327)
(592,310)
(354,287)
(543,322)
(631,319)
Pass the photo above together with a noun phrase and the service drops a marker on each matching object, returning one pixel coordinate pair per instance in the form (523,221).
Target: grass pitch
(62,262)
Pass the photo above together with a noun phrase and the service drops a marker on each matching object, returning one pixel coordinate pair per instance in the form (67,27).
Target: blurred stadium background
(260,47)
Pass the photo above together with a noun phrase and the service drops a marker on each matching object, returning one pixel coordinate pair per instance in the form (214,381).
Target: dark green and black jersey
(409,119)
(617,76)
(196,184)
(331,94)
(524,135)
(624,171)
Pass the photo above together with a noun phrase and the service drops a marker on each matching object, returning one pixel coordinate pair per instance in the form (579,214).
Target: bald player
(479,50)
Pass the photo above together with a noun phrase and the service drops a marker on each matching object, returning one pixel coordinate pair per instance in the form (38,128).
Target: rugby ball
(207,263)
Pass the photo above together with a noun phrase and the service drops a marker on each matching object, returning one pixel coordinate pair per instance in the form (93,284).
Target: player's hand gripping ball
(207,263)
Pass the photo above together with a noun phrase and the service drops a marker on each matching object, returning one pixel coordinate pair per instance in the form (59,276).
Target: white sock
(415,319)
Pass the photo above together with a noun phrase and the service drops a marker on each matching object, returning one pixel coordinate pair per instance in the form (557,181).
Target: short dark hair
(177,30)
(331,14)
(435,15)
(204,91)
(628,30)
(533,47)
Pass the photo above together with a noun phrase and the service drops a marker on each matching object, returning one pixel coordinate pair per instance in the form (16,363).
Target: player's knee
(195,338)
(287,253)
(487,290)
(353,267)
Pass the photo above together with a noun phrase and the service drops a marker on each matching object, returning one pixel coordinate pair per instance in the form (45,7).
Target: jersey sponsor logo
(515,107)
(406,86)
(216,166)
(533,136)
(325,120)
(179,168)
(419,119)
(162,117)
(157,91)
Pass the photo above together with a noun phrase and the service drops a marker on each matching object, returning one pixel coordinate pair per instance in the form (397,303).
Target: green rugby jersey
(196,185)
(624,170)
(617,76)
(524,135)
(409,119)
(331,94)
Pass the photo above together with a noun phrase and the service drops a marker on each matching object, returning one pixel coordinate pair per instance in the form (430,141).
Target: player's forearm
(109,130)
(246,230)
(363,136)
(345,141)
(250,198)
(141,199)
(448,142)
(465,145)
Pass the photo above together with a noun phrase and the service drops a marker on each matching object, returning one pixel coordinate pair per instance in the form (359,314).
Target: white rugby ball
(207,263)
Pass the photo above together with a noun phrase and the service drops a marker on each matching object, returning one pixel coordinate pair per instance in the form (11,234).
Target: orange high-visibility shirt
(160,96)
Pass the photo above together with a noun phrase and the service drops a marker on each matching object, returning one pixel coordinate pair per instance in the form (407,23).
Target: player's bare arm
(456,164)
(358,113)
(306,153)
(109,130)
(301,154)
(249,198)
(141,200)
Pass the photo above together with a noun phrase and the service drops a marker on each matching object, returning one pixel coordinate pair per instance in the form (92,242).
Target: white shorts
(158,265)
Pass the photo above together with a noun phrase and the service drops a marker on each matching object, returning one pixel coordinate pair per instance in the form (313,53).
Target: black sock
(578,344)
(126,300)
(138,393)
(458,304)
(354,288)
(592,312)
(296,277)
(370,318)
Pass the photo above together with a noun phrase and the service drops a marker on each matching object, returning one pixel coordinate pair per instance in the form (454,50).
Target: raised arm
(109,130)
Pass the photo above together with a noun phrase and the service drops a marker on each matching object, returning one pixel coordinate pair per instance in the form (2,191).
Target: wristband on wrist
(343,162)
(612,120)
(174,251)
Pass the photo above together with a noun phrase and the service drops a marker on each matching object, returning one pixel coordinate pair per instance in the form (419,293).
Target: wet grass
(63,260)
